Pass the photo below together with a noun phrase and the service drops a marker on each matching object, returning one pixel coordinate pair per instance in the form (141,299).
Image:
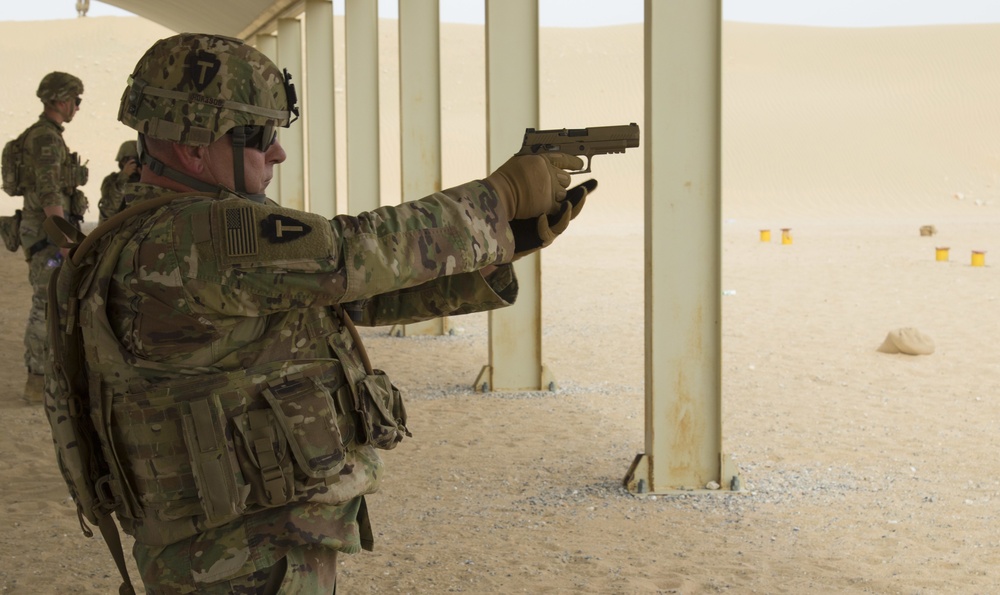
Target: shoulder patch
(282,228)
(249,235)
(241,233)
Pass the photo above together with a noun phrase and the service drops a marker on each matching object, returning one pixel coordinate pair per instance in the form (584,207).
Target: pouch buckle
(275,489)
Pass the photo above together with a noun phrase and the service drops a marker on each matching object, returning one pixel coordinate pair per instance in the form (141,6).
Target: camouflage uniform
(56,175)
(208,289)
(112,192)
(113,185)
(235,413)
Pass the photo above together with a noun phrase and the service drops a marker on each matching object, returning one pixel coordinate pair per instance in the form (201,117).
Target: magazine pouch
(304,409)
(380,411)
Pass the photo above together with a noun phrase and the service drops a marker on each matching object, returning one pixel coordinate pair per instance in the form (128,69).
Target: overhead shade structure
(235,18)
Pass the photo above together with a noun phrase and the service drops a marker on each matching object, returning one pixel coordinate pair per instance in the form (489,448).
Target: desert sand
(862,472)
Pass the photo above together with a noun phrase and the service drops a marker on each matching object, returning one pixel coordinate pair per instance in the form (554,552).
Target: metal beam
(319,116)
(420,116)
(683,315)
(362,68)
(293,169)
(512,93)
(266,18)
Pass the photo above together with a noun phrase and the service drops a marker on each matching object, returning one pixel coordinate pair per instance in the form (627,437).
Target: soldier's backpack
(12,164)
(78,450)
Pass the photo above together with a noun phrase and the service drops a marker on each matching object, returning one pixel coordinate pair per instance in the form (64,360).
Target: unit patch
(202,67)
(241,233)
(282,228)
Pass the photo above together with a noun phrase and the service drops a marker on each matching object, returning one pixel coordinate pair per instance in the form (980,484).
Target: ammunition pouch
(10,231)
(381,415)
(78,205)
(260,438)
(76,174)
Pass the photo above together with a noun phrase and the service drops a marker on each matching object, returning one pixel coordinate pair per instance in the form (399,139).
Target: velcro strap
(165,129)
(262,438)
(211,462)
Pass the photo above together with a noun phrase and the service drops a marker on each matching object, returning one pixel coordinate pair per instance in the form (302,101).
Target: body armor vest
(183,448)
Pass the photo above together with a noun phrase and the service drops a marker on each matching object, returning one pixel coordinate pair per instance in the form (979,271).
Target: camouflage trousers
(305,570)
(36,339)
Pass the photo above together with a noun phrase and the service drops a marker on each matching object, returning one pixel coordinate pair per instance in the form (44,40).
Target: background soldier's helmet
(193,88)
(59,86)
(128,149)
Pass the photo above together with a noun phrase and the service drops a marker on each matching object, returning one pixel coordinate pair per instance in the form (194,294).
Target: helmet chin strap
(161,169)
(239,143)
(239,137)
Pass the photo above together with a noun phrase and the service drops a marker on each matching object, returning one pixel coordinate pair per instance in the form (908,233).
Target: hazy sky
(588,13)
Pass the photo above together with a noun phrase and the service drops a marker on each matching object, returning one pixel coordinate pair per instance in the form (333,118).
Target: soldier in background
(54,175)
(218,327)
(113,186)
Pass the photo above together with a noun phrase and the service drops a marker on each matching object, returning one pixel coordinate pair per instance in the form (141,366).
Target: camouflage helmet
(128,149)
(59,86)
(193,88)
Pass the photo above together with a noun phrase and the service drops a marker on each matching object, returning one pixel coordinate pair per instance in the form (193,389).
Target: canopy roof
(235,18)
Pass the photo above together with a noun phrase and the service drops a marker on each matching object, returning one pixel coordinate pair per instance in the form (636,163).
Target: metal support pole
(420,116)
(293,169)
(361,32)
(512,94)
(319,116)
(683,251)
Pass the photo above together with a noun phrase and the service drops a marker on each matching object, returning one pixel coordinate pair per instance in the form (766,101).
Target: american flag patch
(241,233)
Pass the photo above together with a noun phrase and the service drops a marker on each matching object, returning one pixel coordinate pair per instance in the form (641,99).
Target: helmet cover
(193,88)
(128,149)
(59,86)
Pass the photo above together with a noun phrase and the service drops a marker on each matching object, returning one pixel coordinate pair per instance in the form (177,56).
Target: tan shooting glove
(531,235)
(533,185)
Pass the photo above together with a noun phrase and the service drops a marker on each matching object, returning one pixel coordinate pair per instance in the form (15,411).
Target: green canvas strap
(358,345)
(109,530)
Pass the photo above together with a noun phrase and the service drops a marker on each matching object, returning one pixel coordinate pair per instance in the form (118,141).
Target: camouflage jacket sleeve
(413,261)
(446,296)
(46,153)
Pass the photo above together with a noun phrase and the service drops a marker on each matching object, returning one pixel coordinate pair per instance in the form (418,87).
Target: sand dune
(900,119)
(837,123)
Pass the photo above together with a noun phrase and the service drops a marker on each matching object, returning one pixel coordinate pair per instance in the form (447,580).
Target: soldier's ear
(190,159)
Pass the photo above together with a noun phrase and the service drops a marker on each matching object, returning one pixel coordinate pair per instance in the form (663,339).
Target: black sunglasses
(254,137)
(78,100)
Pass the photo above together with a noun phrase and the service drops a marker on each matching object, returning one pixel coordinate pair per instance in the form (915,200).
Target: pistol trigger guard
(586,170)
